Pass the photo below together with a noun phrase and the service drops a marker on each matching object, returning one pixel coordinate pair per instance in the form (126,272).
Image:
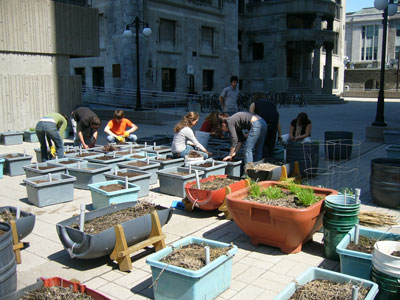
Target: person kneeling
(116,128)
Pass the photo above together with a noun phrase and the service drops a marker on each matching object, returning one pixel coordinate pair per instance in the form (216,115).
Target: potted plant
(30,136)
(174,281)
(11,137)
(336,283)
(14,163)
(24,223)
(139,178)
(88,244)
(285,227)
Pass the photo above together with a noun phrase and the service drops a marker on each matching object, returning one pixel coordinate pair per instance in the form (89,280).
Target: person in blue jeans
(257,129)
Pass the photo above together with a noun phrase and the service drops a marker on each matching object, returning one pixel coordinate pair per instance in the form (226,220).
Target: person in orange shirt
(117,128)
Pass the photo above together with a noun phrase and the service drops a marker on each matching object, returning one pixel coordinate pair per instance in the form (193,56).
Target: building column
(279,83)
(316,79)
(328,82)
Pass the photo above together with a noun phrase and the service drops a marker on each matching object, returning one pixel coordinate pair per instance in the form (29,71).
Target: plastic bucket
(334,232)
(8,266)
(342,202)
(1,167)
(382,259)
(389,286)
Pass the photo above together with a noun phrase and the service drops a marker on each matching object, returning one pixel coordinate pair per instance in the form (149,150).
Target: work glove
(126,134)
(53,151)
(120,139)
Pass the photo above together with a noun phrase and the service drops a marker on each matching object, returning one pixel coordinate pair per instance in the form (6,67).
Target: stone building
(197,45)
(37,38)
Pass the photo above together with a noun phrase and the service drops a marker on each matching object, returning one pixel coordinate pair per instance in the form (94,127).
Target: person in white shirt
(183,134)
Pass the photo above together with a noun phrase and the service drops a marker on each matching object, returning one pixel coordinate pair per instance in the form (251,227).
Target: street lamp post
(128,33)
(389,9)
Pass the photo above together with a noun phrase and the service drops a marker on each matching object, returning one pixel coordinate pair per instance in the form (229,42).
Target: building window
(207,39)
(98,78)
(258,51)
(208,80)
(167,33)
(369,47)
(168,80)
(116,71)
(82,72)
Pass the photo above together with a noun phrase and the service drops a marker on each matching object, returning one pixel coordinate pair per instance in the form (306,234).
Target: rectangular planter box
(68,162)
(317,273)
(102,198)
(356,263)
(160,150)
(234,168)
(13,166)
(111,162)
(393,151)
(143,154)
(391,137)
(88,173)
(60,190)
(30,136)
(1,167)
(33,170)
(85,155)
(174,283)
(152,168)
(11,137)
(174,184)
(218,168)
(142,180)
(171,163)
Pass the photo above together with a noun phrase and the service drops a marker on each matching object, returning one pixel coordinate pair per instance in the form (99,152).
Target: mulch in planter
(45,167)
(109,148)
(327,290)
(6,216)
(112,187)
(106,157)
(365,245)
(86,154)
(128,174)
(216,184)
(55,293)
(261,167)
(165,159)
(138,163)
(67,162)
(104,222)
(13,155)
(192,256)
(2,232)
(194,154)
(138,156)
(205,165)
(179,173)
(289,200)
(42,181)
(123,153)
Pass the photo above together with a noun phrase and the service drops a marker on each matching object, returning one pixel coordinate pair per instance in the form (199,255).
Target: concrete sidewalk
(258,272)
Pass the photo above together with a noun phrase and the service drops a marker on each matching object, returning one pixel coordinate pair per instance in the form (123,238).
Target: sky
(355,5)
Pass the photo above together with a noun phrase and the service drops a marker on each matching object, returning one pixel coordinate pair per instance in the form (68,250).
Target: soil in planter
(138,163)
(106,157)
(42,181)
(216,184)
(123,153)
(192,256)
(13,155)
(67,162)
(2,232)
(205,165)
(138,156)
(327,290)
(44,167)
(194,154)
(128,174)
(179,173)
(261,167)
(102,223)
(6,216)
(112,187)
(162,148)
(109,148)
(165,159)
(365,245)
(395,253)
(85,154)
(55,293)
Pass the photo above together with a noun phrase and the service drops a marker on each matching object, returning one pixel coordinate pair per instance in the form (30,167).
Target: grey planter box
(391,137)
(59,190)
(13,166)
(170,163)
(34,169)
(85,155)
(24,224)
(152,168)
(88,173)
(87,246)
(160,150)
(233,168)
(174,184)
(274,174)
(111,162)
(30,136)
(141,155)
(68,162)
(11,137)
(142,180)
(218,168)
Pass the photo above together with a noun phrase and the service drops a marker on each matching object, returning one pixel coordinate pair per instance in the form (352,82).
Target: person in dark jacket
(85,124)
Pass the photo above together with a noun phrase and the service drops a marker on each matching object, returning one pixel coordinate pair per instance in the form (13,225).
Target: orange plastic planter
(282,227)
(210,200)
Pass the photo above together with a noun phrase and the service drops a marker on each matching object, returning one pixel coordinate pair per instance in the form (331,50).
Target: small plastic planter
(1,167)
(30,136)
(141,155)
(322,274)
(14,164)
(174,184)
(110,162)
(233,168)
(160,150)
(34,169)
(359,264)
(84,155)
(102,198)
(139,178)
(55,281)
(151,167)
(24,223)
(87,173)
(217,169)
(393,151)
(68,162)
(166,162)
(11,137)
(59,190)
(174,283)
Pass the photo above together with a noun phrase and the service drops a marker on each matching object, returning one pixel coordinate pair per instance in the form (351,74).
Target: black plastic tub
(24,224)
(87,246)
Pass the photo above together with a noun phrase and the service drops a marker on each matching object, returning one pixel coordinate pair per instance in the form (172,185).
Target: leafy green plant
(305,196)
(255,189)
(273,192)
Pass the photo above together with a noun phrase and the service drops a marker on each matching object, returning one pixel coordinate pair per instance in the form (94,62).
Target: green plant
(32,129)
(305,196)
(348,191)
(255,189)
(273,192)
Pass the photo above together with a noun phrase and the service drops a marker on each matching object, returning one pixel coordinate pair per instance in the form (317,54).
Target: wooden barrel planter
(338,144)
(385,182)
(307,154)
(8,265)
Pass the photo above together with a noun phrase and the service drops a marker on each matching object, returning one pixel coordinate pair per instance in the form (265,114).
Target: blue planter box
(30,136)
(88,173)
(393,151)
(1,167)
(142,180)
(14,165)
(317,273)
(11,137)
(356,263)
(102,198)
(178,283)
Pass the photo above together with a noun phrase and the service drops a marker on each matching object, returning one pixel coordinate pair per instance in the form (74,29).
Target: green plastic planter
(356,263)
(174,184)
(175,283)
(30,136)
(11,137)
(317,273)
(102,198)
(87,173)
(142,179)
(1,167)
(33,170)
(59,190)
(152,167)
(13,165)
